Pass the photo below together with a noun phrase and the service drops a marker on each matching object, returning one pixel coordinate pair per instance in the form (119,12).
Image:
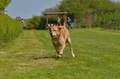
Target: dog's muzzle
(52,35)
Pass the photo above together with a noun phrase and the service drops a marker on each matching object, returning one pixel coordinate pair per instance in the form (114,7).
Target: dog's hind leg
(71,50)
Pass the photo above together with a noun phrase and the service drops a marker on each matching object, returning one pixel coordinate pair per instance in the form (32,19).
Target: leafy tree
(52,18)
(36,22)
(90,13)
(54,9)
(4,4)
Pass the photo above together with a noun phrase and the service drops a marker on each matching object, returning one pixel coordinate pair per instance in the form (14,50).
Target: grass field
(32,56)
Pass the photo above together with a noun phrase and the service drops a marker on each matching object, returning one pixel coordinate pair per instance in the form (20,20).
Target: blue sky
(27,8)
(116,0)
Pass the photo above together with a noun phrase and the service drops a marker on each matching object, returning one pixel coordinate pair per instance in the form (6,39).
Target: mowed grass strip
(32,56)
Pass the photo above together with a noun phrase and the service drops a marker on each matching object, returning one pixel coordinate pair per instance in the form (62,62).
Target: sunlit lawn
(32,56)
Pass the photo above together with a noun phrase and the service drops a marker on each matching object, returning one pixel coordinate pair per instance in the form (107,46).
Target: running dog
(60,36)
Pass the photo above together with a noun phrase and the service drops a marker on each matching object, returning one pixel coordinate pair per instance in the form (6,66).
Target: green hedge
(9,28)
(36,22)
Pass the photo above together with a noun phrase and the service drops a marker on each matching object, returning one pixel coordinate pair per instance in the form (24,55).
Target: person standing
(58,22)
(23,22)
(69,21)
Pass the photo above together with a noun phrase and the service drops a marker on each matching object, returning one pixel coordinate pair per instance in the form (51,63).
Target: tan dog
(60,36)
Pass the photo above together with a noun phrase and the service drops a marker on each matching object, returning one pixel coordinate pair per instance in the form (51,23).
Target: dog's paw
(59,56)
(73,55)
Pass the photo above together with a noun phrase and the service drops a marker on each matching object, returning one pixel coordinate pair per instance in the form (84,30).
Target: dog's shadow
(45,57)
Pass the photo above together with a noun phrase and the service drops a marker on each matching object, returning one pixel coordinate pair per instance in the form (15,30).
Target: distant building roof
(55,13)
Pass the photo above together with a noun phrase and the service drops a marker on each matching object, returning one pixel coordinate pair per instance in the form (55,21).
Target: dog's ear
(47,27)
(61,27)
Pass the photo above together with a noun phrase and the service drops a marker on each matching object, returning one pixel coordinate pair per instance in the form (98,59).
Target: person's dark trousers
(69,26)
(58,24)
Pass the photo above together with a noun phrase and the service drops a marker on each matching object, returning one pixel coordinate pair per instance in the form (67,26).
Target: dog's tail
(63,20)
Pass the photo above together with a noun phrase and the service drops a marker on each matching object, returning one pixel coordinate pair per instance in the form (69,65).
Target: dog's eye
(54,30)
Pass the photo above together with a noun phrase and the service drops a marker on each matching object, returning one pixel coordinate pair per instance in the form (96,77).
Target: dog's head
(55,31)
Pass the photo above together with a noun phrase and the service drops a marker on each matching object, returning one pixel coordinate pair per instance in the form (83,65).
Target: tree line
(88,13)
(92,13)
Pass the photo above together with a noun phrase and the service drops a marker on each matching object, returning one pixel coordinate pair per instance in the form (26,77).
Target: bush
(9,28)
(36,22)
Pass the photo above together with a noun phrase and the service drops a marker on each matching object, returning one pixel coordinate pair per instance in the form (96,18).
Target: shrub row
(36,22)
(9,28)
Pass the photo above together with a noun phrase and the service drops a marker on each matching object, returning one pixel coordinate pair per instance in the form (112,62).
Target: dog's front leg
(57,49)
(61,50)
